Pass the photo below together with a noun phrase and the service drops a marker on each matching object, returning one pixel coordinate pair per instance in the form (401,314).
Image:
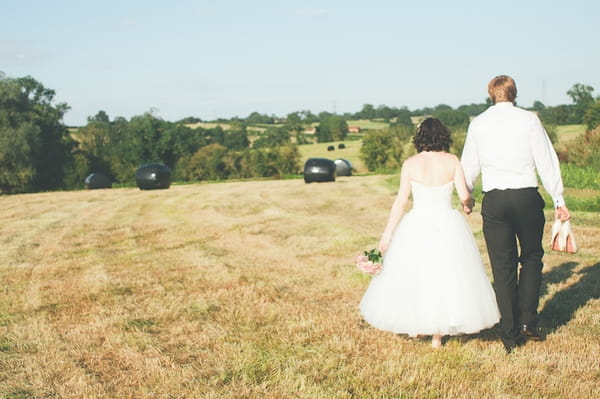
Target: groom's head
(502,89)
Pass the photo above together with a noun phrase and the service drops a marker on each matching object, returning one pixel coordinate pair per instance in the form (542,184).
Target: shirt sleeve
(546,163)
(470,161)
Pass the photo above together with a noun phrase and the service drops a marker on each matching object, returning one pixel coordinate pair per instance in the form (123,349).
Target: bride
(433,281)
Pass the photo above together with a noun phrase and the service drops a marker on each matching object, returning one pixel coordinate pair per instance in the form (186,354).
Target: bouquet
(370,262)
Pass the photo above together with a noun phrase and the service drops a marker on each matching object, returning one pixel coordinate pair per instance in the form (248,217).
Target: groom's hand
(562,213)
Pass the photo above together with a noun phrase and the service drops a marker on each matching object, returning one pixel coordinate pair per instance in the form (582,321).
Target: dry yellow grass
(249,290)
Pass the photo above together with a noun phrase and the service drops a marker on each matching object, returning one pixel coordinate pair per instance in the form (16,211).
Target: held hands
(468,205)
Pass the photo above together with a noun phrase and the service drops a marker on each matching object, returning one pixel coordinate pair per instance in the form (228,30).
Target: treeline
(38,152)
(117,148)
(584,110)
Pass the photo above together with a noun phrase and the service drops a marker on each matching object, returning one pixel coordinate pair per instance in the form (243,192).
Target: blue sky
(225,58)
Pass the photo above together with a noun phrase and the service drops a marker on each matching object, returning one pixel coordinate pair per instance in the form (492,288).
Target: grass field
(567,133)
(249,290)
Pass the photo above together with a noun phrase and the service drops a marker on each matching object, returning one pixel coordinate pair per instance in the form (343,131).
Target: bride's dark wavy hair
(432,135)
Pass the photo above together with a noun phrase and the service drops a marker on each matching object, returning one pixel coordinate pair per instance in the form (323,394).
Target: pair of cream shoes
(563,239)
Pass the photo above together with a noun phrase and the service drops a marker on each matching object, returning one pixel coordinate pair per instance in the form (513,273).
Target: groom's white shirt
(507,144)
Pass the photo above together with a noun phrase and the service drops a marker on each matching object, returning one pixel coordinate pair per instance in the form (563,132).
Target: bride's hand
(384,243)
(468,205)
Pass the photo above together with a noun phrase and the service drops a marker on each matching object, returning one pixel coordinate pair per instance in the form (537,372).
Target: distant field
(224,126)
(351,153)
(366,124)
(249,290)
(567,133)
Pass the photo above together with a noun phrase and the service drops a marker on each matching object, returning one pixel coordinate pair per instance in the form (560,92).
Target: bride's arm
(461,188)
(397,208)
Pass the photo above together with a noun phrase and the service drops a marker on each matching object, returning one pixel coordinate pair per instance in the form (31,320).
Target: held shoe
(554,240)
(562,239)
(567,239)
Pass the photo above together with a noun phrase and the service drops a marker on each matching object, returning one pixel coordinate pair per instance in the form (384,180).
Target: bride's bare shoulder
(447,157)
(416,158)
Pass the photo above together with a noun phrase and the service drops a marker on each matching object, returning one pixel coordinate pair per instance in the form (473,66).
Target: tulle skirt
(433,280)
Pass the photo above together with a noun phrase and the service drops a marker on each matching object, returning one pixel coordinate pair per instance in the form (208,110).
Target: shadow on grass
(560,309)
(558,274)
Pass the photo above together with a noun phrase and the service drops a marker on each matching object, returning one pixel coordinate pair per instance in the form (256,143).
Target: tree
(331,128)
(592,115)
(296,124)
(308,117)
(95,140)
(256,117)
(559,115)
(584,151)
(451,118)
(35,146)
(367,112)
(101,116)
(384,112)
(381,150)
(582,97)
(538,106)
(275,162)
(190,120)
(273,137)
(237,137)
(206,164)
(403,118)
(473,109)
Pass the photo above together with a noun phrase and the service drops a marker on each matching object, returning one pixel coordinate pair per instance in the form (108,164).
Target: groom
(507,145)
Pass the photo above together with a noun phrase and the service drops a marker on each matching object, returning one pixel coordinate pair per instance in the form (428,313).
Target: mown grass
(249,290)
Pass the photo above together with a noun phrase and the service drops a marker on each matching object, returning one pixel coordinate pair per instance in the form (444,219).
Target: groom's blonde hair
(502,89)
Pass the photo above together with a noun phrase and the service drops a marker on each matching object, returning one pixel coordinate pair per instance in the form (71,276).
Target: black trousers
(514,219)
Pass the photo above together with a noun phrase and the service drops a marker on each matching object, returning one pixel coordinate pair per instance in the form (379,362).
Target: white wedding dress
(433,280)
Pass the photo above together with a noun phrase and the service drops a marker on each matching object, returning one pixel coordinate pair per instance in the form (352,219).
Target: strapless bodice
(431,198)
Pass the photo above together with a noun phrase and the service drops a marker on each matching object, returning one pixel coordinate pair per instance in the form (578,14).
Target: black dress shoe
(530,332)
(511,344)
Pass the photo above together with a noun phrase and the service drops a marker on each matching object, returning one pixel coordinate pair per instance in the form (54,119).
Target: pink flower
(362,259)
(368,266)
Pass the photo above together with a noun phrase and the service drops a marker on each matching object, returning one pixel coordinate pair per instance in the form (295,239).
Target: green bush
(592,115)
(382,150)
(580,177)
(584,151)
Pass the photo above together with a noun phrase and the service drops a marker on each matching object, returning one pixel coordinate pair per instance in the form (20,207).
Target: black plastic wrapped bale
(97,180)
(343,167)
(341,146)
(153,176)
(319,170)
(330,147)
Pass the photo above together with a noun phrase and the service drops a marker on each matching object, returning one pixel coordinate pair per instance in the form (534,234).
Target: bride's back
(432,168)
